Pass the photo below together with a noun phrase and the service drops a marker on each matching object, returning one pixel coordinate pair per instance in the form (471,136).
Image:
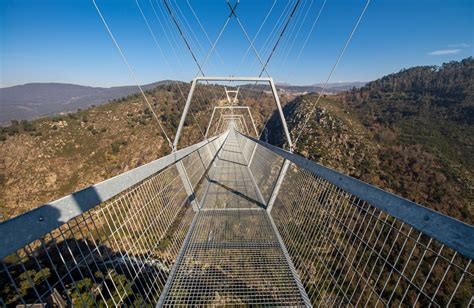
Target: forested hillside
(48,158)
(411,133)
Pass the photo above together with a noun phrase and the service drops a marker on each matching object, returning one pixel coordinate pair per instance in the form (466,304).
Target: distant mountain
(334,87)
(33,100)
(342,85)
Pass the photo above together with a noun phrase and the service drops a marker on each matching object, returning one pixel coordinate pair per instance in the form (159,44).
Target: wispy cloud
(443,52)
(460,45)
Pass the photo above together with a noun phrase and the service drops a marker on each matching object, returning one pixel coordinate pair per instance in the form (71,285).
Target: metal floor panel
(233,257)
(229,184)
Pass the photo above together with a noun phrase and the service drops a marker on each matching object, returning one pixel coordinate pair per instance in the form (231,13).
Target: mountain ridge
(34,100)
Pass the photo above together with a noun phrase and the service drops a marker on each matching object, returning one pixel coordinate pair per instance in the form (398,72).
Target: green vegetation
(48,158)
(411,133)
(16,127)
(116,145)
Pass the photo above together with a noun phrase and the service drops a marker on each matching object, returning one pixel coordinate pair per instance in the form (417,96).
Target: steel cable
(132,73)
(309,115)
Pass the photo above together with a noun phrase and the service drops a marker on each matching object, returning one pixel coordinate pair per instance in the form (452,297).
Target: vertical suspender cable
(279,38)
(310,114)
(183,36)
(310,31)
(203,29)
(165,58)
(132,73)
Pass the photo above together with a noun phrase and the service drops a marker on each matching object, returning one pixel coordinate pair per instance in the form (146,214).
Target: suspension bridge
(232,220)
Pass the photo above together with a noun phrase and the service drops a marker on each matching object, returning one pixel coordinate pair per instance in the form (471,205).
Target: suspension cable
(204,30)
(183,36)
(165,58)
(310,31)
(255,36)
(293,38)
(200,67)
(117,46)
(220,33)
(281,35)
(300,52)
(310,114)
(172,38)
(272,32)
(184,21)
(248,38)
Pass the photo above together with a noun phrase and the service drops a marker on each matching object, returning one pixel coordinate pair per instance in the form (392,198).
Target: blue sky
(65,41)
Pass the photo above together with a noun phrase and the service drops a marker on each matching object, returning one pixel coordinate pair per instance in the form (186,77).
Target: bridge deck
(230,183)
(233,255)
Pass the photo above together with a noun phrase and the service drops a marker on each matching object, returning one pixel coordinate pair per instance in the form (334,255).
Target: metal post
(187,185)
(253,123)
(183,116)
(210,122)
(282,116)
(277,187)
(227,95)
(218,124)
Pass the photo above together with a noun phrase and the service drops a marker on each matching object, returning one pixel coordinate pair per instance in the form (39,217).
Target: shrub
(13,130)
(27,126)
(116,145)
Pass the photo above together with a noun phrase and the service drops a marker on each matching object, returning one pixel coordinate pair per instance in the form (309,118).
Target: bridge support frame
(236,117)
(232,108)
(268,80)
(187,185)
(277,187)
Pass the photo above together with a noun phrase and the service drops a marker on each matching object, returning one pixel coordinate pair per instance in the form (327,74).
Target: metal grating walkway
(230,183)
(233,254)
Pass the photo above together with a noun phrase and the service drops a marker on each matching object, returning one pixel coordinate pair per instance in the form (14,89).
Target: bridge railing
(113,243)
(354,244)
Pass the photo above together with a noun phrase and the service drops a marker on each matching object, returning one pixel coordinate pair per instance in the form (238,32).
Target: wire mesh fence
(327,240)
(348,252)
(119,253)
(233,258)
(266,167)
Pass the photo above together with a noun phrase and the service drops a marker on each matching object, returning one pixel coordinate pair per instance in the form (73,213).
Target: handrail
(25,228)
(447,230)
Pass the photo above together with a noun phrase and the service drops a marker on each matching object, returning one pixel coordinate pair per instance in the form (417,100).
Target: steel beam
(231,79)
(188,187)
(183,116)
(277,187)
(231,107)
(282,116)
(233,100)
